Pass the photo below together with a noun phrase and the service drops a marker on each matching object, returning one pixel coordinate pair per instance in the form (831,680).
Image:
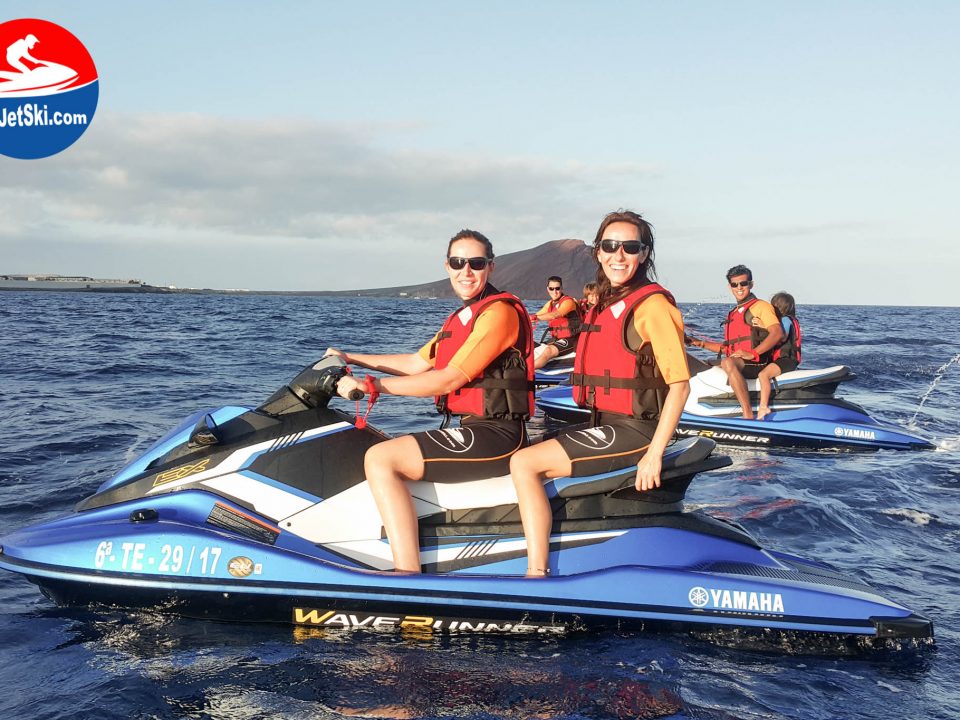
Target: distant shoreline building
(66,282)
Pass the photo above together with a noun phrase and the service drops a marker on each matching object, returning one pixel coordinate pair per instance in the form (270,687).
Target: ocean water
(88,381)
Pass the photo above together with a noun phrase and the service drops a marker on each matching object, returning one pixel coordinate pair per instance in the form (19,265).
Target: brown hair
(784,304)
(472,235)
(644,274)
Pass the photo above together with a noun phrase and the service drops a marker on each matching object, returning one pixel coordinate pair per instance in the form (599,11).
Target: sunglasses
(476,263)
(743,283)
(551,288)
(630,247)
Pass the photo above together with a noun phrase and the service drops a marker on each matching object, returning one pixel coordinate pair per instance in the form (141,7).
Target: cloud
(213,182)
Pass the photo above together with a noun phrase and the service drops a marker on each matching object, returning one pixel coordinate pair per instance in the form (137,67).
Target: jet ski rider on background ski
(562,313)
(786,356)
(751,333)
(631,370)
(479,366)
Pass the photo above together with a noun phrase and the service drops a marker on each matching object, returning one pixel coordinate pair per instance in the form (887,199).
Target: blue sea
(88,381)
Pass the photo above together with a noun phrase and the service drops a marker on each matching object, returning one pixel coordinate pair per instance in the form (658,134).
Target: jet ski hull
(167,566)
(826,425)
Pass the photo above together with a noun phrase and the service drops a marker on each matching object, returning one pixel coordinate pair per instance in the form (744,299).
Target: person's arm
(566,307)
(662,323)
(703,343)
(404,364)
(765,317)
(774,338)
(494,331)
(648,469)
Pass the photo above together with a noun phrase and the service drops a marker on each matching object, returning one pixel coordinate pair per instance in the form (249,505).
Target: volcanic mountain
(524,273)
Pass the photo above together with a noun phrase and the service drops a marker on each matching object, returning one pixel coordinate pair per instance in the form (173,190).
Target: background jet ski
(558,370)
(264,515)
(806,413)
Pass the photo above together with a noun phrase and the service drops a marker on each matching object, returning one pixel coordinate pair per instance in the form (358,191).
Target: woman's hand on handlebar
(336,353)
(351,388)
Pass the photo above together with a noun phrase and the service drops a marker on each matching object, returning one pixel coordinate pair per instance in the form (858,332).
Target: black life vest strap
(607,381)
(733,341)
(589,327)
(501,384)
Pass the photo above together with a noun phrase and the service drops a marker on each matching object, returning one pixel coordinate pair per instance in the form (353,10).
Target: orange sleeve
(429,351)
(660,323)
(567,306)
(764,312)
(495,329)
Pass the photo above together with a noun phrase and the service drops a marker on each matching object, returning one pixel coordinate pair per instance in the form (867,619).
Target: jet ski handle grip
(356,394)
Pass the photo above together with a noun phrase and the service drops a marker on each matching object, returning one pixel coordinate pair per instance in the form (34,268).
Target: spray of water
(938,375)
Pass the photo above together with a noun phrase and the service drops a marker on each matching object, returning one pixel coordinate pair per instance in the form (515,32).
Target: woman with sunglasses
(478,366)
(631,371)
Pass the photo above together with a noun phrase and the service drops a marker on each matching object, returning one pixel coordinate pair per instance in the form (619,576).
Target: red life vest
(505,389)
(564,326)
(790,347)
(608,375)
(739,332)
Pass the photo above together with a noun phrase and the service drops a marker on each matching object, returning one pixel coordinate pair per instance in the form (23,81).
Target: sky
(332,145)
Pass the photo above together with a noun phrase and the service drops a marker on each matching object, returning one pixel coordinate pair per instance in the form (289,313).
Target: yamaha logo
(699,597)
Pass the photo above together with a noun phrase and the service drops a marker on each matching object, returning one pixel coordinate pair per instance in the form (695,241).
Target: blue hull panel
(812,426)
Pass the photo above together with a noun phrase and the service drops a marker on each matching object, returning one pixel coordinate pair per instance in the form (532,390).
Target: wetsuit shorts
(615,443)
(564,345)
(751,370)
(480,448)
(786,364)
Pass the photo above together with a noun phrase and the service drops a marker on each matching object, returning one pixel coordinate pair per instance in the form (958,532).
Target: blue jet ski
(556,371)
(806,413)
(264,515)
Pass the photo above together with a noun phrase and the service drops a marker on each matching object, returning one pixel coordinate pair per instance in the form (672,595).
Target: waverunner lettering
(729,437)
(749,601)
(855,433)
(331,618)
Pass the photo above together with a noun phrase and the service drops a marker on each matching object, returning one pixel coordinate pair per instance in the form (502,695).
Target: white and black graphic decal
(595,438)
(458,440)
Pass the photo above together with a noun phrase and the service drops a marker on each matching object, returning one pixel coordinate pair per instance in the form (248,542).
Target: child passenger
(786,357)
(590,297)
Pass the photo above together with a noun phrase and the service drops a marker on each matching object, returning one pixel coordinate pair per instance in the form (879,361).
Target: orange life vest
(505,390)
(608,375)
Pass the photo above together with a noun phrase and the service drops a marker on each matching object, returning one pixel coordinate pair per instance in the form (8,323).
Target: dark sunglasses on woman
(630,247)
(476,263)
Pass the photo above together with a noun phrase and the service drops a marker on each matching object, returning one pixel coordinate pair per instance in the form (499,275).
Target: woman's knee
(398,457)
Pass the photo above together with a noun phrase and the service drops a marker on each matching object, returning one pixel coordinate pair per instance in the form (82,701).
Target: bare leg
(387,466)
(732,366)
(766,375)
(529,467)
(544,354)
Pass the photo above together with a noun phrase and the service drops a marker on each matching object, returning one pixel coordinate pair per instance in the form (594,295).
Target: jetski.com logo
(743,600)
(48,89)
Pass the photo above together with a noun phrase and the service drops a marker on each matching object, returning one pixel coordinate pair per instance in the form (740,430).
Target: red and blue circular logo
(48,89)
